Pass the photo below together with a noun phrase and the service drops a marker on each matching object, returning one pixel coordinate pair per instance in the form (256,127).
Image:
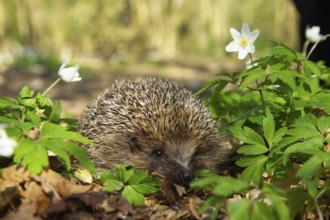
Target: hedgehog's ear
(134,145)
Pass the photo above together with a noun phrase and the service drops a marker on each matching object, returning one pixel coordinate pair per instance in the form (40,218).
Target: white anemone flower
(243,42)
(7,145)
(313,34)
(69,74)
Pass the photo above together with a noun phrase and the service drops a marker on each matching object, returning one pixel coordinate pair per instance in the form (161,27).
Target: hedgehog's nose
(185,176)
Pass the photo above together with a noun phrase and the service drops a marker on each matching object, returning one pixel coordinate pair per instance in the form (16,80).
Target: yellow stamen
(244,42)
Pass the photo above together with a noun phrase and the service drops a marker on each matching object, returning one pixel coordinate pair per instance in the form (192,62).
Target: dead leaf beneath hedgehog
(101,205)
(26,195)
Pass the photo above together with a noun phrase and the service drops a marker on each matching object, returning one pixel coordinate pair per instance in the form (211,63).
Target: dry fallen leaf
(26,196)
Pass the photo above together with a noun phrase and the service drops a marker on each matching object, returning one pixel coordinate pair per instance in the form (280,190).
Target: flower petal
(234,33)
(242,54)
(65,62)
(250,48)
(245,29)
(232,47)
(253,35)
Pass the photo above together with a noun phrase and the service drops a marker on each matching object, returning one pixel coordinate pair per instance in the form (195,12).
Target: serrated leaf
(25,92)
(247,135)
(31,154)
(50,130)
(310,144)
(124,172)
(323,124)
(53,147)
(254,171)
(83,160)
(252,75)
(207,86)
(137,177)
(28,102)
(320,100)
(252,149)
(227,186)
(279,205)
(310,167)
(8,102)
(132,196)
(35,120)
(262,211)
(75,150)
(42,101)
(113,185)
(269,129)
(145,188)
(106,175)
(211,201)
(312,67)
(239,209)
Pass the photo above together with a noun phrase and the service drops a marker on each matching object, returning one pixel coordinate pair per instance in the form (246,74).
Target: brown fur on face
(155,125)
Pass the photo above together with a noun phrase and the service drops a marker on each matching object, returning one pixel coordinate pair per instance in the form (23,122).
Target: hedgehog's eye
(158,152)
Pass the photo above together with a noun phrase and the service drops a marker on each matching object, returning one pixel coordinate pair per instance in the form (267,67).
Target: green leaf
(8,102)
(113,185)
(323,124)
(269,128)
(124,172)
(252,75)
(53,147)
(262,211)
(55,115)
(106,175)
(255,169)
(296,201)
(28,102)
(25,92)
(279,205)
(31,154)
(253,149)
(310,144)
(227,186)
(76,151)
(35,120)
(310,167)
(145,188)
(137,177)
(132,196)
(247,135)
(83,160)
(312,67)
(50,130)
(208,85)
(239,210)
(320,100)
(42,101)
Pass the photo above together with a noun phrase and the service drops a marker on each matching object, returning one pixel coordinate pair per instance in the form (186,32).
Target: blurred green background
(173,38)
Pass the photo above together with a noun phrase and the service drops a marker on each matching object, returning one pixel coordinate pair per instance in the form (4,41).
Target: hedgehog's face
(172,167)
(176,162)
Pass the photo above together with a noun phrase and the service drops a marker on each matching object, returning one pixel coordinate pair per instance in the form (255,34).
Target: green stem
(51,86)
(304,49)
(260,91)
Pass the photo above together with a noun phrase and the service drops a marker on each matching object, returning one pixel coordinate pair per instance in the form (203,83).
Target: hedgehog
(152,124)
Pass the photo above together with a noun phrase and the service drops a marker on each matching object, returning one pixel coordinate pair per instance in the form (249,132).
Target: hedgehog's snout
(185,176)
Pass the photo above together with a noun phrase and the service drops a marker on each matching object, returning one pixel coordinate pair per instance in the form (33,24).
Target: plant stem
(260,91)
(304,49)
(51,86)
